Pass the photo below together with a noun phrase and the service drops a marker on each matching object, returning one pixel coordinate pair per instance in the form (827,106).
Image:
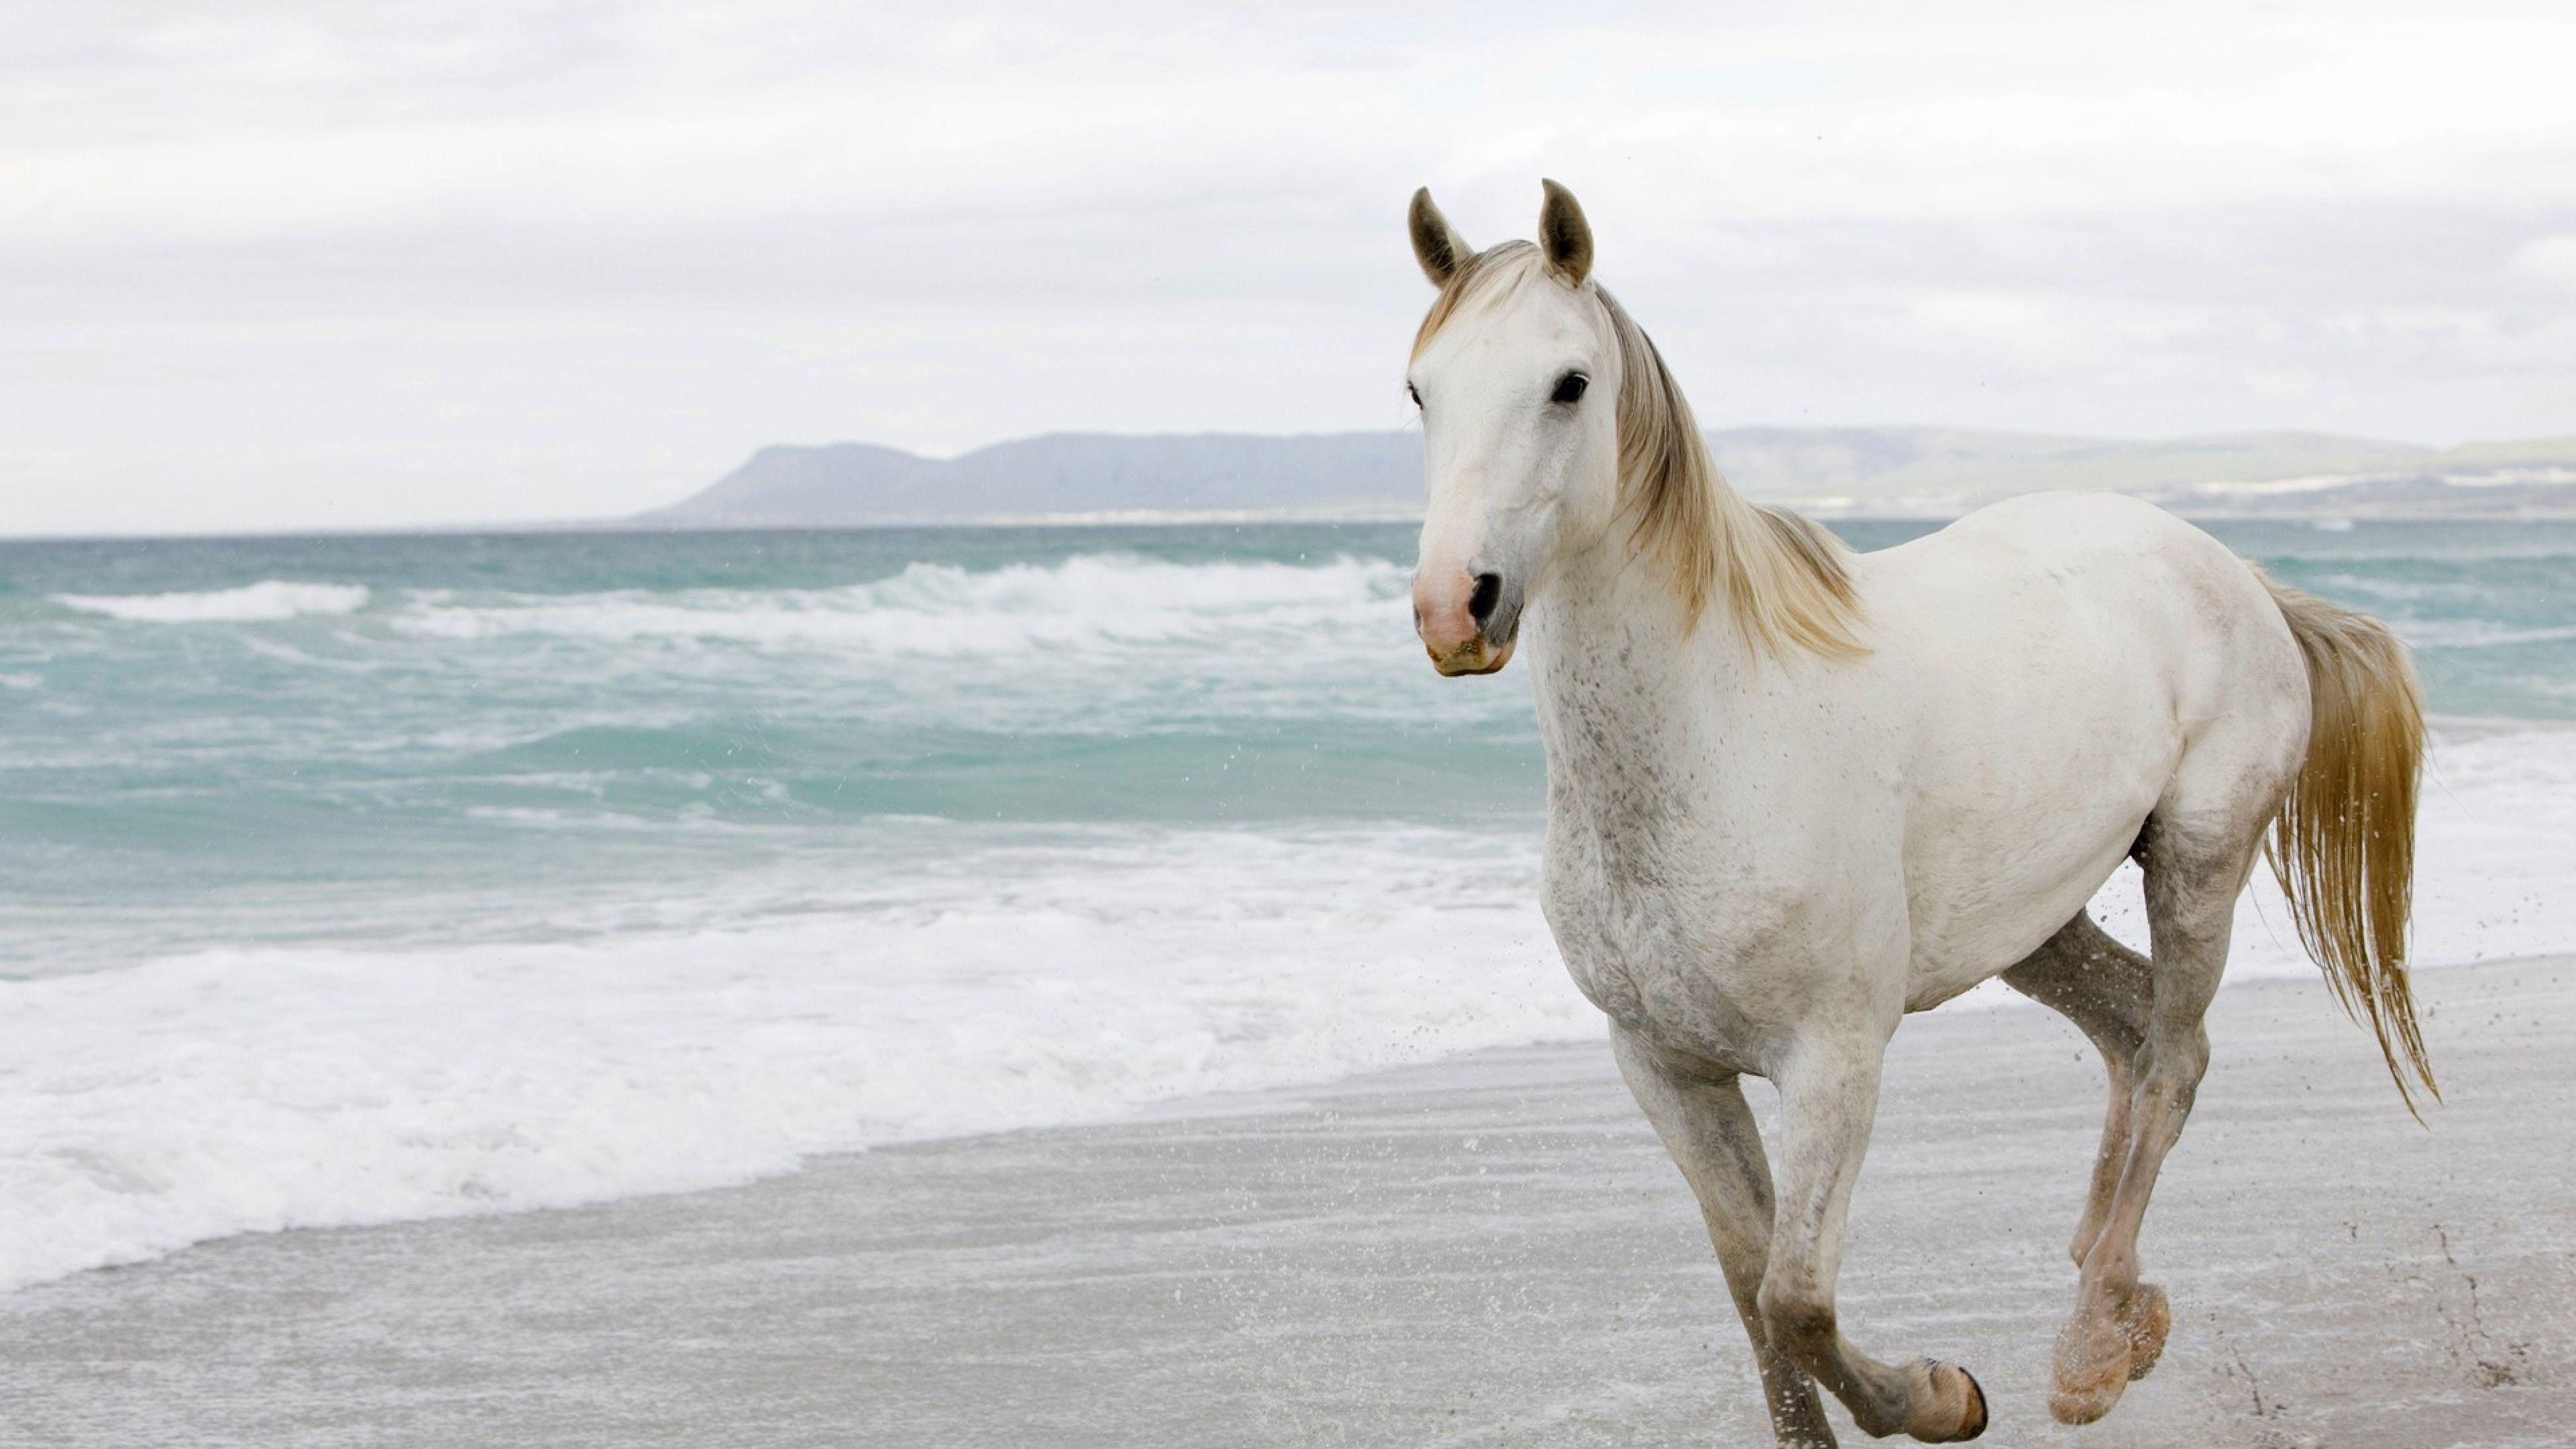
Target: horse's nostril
(1489,592)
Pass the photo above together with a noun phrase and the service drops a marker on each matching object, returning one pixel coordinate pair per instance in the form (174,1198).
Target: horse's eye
(1411,393)
(1569,388)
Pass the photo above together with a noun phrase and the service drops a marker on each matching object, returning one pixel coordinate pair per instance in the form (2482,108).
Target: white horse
(1870,782)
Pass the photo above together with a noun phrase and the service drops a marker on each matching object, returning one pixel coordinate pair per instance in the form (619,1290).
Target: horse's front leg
(1705,1125)
(1828,1099)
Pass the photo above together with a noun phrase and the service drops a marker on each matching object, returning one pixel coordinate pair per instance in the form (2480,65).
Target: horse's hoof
(1974,1423)
(2091,1372)
(1958,1410)
(2148,1316)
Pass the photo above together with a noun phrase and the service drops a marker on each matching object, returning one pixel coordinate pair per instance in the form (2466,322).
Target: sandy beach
(1486,1251)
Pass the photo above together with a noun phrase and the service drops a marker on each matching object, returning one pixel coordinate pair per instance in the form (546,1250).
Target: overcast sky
(284,265)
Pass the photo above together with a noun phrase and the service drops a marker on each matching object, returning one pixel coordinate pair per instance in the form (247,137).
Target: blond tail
(2344,845)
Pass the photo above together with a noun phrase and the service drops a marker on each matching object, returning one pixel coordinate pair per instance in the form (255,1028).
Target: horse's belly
(2012,830)
(1977,913)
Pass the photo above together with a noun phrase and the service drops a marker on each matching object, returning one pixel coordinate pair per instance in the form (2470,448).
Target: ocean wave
(1088,601)
(269,599)
(2374,586)
(2479,634)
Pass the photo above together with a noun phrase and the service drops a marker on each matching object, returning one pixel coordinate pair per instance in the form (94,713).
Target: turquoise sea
(347,878)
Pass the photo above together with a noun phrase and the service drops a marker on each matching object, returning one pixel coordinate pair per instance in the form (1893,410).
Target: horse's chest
(1674,958)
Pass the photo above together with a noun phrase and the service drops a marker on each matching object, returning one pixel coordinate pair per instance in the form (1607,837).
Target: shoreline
(1484,1249)
(1296,1091)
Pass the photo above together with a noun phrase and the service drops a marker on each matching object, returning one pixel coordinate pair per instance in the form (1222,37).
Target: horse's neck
(1630,697)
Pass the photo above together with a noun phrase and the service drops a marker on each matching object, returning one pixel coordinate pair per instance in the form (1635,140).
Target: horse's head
(1518,371)
(1553,432)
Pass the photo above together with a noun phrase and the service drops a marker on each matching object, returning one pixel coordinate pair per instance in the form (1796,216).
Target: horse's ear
(1436,244)
(1563,235)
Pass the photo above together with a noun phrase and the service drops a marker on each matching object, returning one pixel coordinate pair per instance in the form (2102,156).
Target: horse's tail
(2344,845)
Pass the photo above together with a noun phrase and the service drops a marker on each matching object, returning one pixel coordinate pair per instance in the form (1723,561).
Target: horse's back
(2092,592)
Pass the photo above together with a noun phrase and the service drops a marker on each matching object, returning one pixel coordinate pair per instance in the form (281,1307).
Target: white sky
(281,265)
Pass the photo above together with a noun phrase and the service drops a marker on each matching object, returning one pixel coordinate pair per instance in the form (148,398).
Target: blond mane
(1786,580)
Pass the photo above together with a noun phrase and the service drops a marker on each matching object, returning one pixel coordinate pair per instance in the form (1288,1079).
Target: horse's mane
(1786,581)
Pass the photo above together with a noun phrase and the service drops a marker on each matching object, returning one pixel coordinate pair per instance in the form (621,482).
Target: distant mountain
(1911,472)
(1062,474)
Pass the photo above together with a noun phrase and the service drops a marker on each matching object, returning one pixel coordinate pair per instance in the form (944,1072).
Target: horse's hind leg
(2106,990)
(1709,1131)
(2196,864)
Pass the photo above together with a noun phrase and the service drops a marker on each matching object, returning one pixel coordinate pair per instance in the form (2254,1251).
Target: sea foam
(1088,602)
(251,1090)
(252,603)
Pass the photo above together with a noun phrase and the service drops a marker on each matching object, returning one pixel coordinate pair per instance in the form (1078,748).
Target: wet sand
(1488,1251)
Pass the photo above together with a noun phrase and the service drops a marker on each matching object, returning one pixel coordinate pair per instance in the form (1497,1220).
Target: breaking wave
(251,603)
